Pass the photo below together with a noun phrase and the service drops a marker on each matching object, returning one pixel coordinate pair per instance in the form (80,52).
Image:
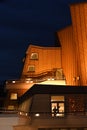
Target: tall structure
(42,65)
(74,46)
(41,62)
(79,23)
(46,96)
(68,55)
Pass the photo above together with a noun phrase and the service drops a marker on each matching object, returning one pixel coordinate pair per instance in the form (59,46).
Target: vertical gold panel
(79,21)
(68,55)
(48,59)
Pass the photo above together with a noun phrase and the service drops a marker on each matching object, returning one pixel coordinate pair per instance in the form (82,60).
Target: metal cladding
(74,46)
(79,23)
(68,55)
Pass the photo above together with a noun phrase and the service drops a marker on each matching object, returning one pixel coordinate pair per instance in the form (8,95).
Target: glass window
(31,68)
(13,96)
(34,56)
(57,106)
(10,107)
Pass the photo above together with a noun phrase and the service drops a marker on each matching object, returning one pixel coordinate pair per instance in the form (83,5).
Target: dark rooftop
(54,89)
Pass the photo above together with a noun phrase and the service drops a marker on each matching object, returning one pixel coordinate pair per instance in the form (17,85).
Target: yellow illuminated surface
(54,82)
(13,96)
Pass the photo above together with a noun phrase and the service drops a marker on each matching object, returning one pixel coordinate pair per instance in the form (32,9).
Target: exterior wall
(79,23)
(26,105)
(41,104)
(9,102)
(49,58)
(19,87)
(68,55)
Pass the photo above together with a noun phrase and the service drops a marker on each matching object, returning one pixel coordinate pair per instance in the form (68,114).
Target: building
(42,65)
(73,41)
(55,107)
(53,77)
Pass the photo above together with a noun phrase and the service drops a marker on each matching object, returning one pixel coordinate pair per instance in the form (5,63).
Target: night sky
(23,22)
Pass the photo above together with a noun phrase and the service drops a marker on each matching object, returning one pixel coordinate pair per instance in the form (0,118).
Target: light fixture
(13,81)
(27,81)
(37,114)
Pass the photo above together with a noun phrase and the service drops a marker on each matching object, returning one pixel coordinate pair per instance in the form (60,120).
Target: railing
(36,78)
(42,114)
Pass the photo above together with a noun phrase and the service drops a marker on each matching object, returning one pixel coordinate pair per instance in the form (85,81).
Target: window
(34,56)
(13,96)
(10,107)
(75,103)
(57,106)
(31,68)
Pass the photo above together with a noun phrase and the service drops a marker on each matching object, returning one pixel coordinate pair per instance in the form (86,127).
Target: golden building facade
(41,61)
(35,102)
(74,46)
(68,55)
(79,23)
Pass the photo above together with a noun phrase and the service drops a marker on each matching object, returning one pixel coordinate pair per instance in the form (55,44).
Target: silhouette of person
(55,110)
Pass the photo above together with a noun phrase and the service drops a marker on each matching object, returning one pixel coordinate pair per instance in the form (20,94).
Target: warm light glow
(31,81)
(37,114)
(57,98)
(27,81)
(54,82)
(26,114)
(13,81)
(13,96)
(20,113)
(10,107)
(48,79)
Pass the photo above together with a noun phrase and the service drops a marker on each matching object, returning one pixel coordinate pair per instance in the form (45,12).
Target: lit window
(34,56)
(57,106)
(10,107)
(31,68)
(13,96)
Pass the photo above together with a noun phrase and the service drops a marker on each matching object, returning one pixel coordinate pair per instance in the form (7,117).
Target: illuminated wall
(79,23)
(68,55)
(48,58)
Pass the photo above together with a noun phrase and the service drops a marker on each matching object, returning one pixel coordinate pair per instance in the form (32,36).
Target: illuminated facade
(74,46)
(41,62)
(42,65)
(51,93)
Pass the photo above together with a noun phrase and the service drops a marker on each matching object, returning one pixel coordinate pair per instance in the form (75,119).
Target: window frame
(34,56)
(58,102)
(31,66)
(12,96)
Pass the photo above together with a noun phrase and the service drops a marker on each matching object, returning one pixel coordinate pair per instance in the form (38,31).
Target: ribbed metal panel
(68,55)
(79,22)
(48,58)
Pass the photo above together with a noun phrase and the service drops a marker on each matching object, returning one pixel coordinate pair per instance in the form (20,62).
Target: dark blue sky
(28,21)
